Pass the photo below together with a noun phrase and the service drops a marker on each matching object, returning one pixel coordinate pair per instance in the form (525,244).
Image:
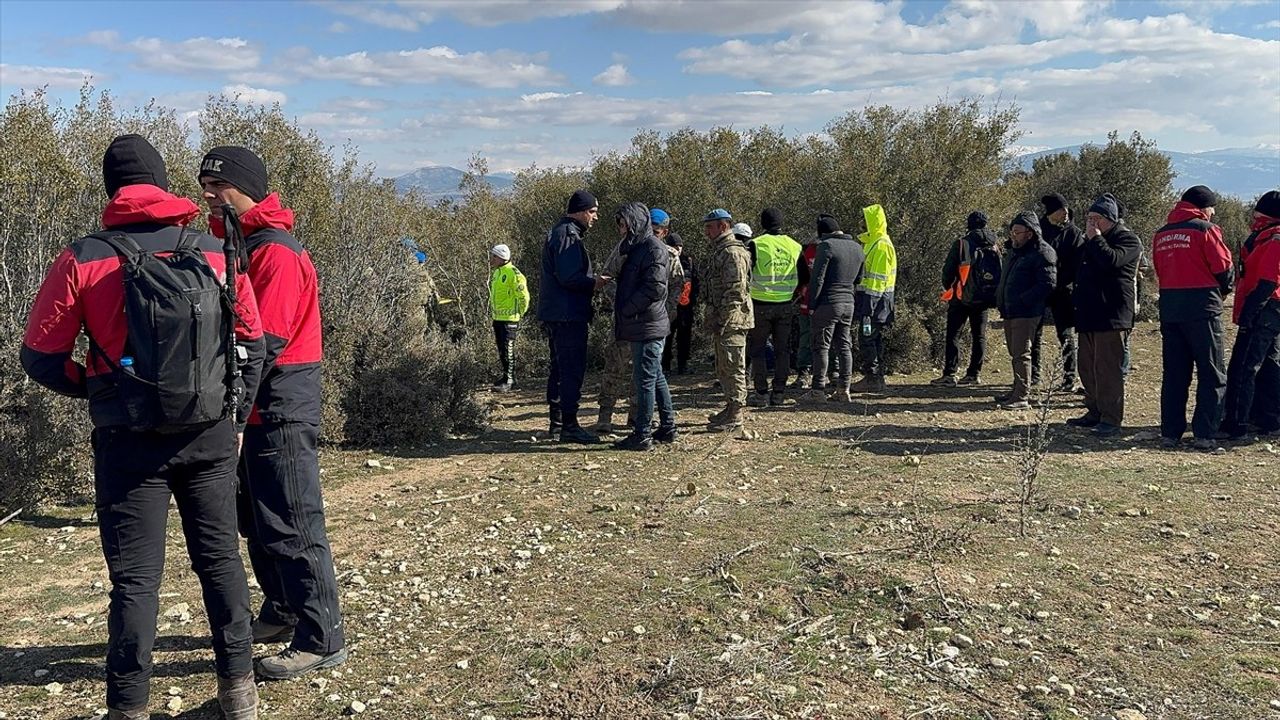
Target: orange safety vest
(685,293)
(956,291)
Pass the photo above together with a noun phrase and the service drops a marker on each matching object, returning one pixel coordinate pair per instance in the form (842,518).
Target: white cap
(501,251)
(742,229)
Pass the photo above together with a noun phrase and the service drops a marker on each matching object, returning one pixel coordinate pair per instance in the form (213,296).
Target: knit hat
(581,200)
(1269,204)
(716,215)
(771,219)
(827,224)
(239,167)
(977,220)
(1107,206)
(659,217)
(131,160)
(1053,202)
(674,240)
(742,230)
(502,252)
(1200,196)
(1028,220)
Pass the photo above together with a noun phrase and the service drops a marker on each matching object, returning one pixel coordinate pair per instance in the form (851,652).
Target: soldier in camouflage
(727,285)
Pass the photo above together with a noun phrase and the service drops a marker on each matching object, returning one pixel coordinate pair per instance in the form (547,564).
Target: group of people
(203,384)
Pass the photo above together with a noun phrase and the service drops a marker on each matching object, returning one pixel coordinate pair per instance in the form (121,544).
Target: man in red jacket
(1193,265)
(281,510)
(1253,378)
(135,469)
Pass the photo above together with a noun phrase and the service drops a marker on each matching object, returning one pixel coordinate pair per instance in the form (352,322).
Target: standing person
(775,279)
(1066,240)
(874,304)
(968,249)
(641,318)
(509,300)
(804,344)
(616,378)
(1027,280)
(1105,301)
(729,317)
(152,437)
(1193,266)
(282,506)
(833,284)
(686,301)
(1253,377)
(564,308)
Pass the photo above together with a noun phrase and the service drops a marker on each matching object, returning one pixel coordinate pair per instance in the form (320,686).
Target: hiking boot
(634,441)
(665,435)
(577,435)
(265,632)
(1068,387)
(869,384)
(294,663)
(778,399)
(1002,399)
(1015,405)
(733,418)
(1169,443)
(816,396)
(1204,444)
(945,381)
(842,395)
(802,381)
(238,697)
(136,714)
(502,387)
(968,380)
(1084,421)
(717,417)
(1103,429)
(758,400)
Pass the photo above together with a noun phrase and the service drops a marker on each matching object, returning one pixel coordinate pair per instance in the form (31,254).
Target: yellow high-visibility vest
(775,276)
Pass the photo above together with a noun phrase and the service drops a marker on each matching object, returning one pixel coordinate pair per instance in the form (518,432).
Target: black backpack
(179,369)
(984,276)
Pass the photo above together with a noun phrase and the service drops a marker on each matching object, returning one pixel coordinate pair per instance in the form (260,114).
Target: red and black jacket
(1193,265)
(1258,295)
(288,291)
(84,292)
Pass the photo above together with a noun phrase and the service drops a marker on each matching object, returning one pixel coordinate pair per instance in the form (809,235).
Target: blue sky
(552,82)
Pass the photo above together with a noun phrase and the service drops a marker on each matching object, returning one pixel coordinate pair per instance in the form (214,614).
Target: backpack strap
(125,246)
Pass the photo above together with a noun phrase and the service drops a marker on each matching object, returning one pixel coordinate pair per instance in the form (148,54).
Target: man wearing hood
(1253,377)
(775,280)
(1193,266)
(1105,303)
(1027,280)
(282,510)
(837,271)
(1066,240)
(729,317)
(977,240)
(874,305)
(136,470)
(640,317)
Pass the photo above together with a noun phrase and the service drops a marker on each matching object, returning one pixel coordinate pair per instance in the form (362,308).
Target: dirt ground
(853,561)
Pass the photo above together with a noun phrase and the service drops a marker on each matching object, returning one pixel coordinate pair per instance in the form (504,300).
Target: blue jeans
(651,385)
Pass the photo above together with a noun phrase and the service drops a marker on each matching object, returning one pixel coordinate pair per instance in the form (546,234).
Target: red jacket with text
(1193,265)
(1258,294)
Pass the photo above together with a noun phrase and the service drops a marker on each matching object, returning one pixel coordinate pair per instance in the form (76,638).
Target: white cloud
(254,96)
(410,15)
(335,119)
(497,69)
(338,26)
(194,55)
(31,77)
(359,103)
(614,76)
(1272,24)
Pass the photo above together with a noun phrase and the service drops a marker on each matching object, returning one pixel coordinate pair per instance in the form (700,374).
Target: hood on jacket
(877,225)
(1030,221)
(138,204)
(269,213)
(1183,211)
(983,238)
(639,225)
(977,220)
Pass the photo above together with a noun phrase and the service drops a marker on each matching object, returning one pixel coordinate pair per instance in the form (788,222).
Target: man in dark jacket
(1066,240)
(1253,378)
(1105,301)
(282,509)
(641,318)
(136,471)
(1027,280)
(837,270)
(564,308)
(804,337)
(681,337)
(977,239)
(1193,266)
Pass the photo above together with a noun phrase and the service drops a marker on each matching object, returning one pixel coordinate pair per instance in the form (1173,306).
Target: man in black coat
(681,337)
(1066,240)
(977,239)
(1027,279)
(640,318)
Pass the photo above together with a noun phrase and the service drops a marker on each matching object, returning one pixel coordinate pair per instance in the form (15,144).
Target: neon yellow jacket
(880,272)
(775,276)
(508,293)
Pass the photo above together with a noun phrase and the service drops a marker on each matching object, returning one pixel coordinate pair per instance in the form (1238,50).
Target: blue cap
(717,214)
(659,217)
(422,257)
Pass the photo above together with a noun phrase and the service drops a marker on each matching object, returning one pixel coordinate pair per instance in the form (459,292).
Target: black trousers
(568,346)
(1068,346)
(282,518)
(871,348)
(1253,381)
(958,315)
(682,338)
(134,475)
(1186,345)
(504,336)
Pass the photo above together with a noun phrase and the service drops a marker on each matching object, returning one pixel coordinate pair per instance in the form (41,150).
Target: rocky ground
(857,561)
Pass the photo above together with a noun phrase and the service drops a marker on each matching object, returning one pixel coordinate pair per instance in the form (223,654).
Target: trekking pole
(231,249)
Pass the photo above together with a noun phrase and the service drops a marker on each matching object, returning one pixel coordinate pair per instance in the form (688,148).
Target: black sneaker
(1084,421)
(968,380)
(577,435)
(666,435)
(1106,430)
(634,442)
(1169,443)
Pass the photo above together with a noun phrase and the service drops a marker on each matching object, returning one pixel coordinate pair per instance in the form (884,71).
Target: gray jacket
(837,270)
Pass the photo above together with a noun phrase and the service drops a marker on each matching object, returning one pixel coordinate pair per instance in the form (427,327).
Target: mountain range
(440,182)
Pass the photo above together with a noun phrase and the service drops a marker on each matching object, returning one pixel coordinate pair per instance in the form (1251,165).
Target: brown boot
(734,416)
(238,697)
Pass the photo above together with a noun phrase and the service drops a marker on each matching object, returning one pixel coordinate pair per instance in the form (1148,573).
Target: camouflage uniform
(727,290)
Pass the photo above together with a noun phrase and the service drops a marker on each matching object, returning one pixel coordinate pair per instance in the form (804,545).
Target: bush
(907,343)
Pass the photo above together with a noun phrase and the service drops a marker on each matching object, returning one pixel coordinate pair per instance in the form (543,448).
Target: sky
(555,82)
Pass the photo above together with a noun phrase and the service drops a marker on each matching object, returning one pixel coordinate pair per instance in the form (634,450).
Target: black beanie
(1053,202)
(827,224)
(1200,196)
(977,220)
(771,219)
(131,160)
(1107,206)
(239,167)
(1269,204)
(581,200)
(674,240)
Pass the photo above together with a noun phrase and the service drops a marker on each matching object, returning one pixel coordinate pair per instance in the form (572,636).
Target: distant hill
(1243,172)
(440,182)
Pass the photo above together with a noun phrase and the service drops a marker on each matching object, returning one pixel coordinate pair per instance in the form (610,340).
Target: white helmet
(742,230)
